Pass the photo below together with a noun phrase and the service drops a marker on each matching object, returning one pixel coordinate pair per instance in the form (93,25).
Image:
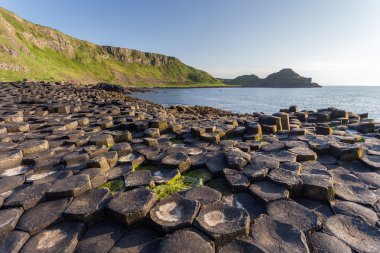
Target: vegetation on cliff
(36,52)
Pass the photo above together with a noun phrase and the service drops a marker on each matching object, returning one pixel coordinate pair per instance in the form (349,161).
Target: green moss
(114,186)
(220,185)
(202,174)
(175,185)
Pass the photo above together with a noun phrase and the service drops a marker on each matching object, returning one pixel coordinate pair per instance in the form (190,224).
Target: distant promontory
(285,78)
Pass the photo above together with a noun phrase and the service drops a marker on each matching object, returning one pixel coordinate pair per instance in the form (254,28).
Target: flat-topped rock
(355,210)
(134,240)
(354,232)
(236,180)
(242,245)
(32,221)
(10,159)
(9,219)
(245,201)
(186,240)
(88,207)
(100,238)
(318,187)
(203,194)
(237,159)
(27,197)
(10,183)
(173,213)
(290,212)
(69,187)
(138,178)
(322,242)
(255,173)
(286,178)
(346,152)
(265,191)
(13,241)
(304,154)
(276,236)
(62,237)
(356,194)
(132,206)
(177,160)
(222,223)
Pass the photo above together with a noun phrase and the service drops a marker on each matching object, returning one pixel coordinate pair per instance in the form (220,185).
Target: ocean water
(270,100)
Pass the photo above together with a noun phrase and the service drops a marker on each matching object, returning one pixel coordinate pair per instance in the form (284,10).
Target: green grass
(175,185)
(114,186)
(202,174)
(64,58)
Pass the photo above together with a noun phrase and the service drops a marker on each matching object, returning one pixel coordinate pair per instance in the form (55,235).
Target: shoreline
(95,159)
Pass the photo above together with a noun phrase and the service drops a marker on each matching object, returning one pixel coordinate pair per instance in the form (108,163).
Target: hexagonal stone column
(222,223)
(9,219)
(59,238)
(173,213)
(27,197)
(265,191)
(131,207)
(88,207)
(186,240)
(276,236)
(290,212)
(70,187)
(42,216)
(176,160)
(355,233)
(13,241)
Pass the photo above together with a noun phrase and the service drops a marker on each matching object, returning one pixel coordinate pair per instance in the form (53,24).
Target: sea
(357,99)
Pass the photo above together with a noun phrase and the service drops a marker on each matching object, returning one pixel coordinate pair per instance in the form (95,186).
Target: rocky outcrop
(285,78)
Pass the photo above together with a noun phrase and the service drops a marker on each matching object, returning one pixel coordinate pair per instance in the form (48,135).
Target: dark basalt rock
(286,178)
(264,161)
(10,183)
(318,187)
(13,241)
(284,156)
(59,238)
(162,176)
(138,178)
(304,154)
(355,210)
(27,197)
(186,240)
(241,246)
(9,218)
(203,194)
(70,187)
(356,194)
(131,207)
(10,159)
(135,240)
(88,207)
(354,232)
(255,173)
(372,160)
(322,210)
(236,180)
(321,242)
(265,191)
(276,236)
(32,221)
(178,160)
(290,212)
(237,159)
(100,238)
(346,152)
(245,201)
(222,223)
(46,177)
(173,213)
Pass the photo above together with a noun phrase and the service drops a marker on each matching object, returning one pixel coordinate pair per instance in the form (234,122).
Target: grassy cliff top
(40,53)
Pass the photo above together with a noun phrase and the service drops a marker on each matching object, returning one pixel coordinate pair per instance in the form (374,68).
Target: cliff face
(285,78)
(41,53)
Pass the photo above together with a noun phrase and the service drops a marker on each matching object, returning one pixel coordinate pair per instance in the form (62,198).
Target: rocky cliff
(285,78)
(35,52)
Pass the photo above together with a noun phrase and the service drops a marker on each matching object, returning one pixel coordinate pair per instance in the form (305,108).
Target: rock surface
(81,162)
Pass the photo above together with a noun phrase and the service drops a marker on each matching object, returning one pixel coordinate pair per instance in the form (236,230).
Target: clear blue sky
(333,41)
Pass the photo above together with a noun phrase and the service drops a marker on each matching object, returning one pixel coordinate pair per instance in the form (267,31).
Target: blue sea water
(357,99)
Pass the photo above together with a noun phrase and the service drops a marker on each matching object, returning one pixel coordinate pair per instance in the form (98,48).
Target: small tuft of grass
(175,185)
(114,186)
(202,174)
(151,167)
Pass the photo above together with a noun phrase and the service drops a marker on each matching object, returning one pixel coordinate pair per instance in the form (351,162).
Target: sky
(336,42)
